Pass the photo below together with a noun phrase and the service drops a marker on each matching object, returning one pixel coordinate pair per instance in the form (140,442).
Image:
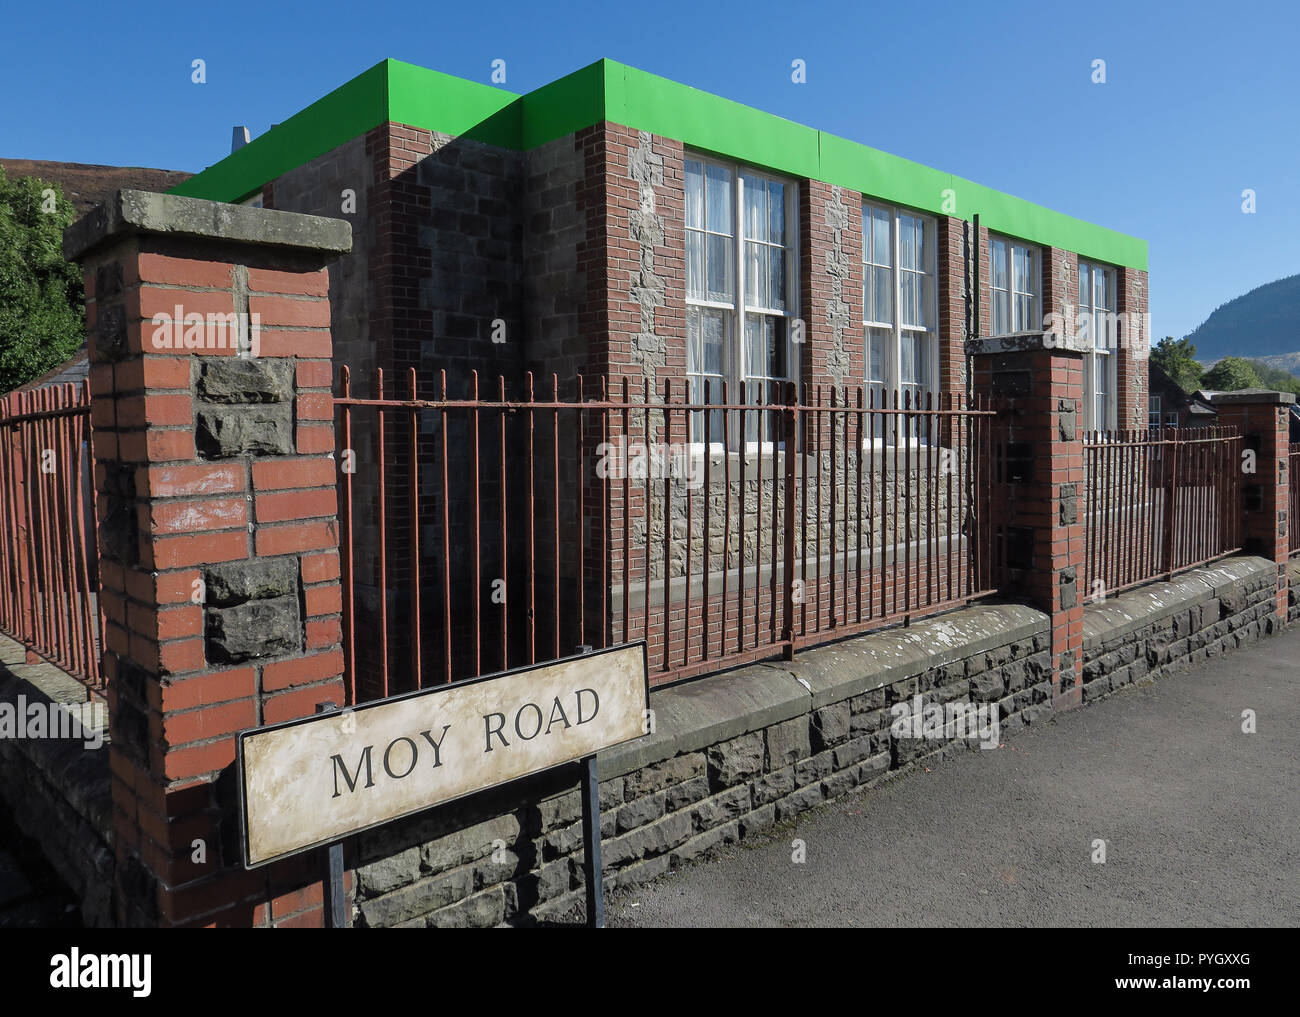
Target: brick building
(594,225)
(1171,406)
(599,221)
(638,232)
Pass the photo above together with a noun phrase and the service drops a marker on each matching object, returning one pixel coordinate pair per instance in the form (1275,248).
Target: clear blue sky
(1201,100)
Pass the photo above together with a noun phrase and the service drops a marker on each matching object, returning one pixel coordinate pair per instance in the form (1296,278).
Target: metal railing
(48,557)
(1293,499)
(480,533)
(1157,502)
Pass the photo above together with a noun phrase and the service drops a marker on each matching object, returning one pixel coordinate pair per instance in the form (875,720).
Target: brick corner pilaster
(212,416)
(1038,382)
(1264,418)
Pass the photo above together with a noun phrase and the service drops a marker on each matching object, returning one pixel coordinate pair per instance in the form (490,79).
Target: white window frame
(1155,415)
(1097,327)
(736,370)
(890,385)
(1019,319)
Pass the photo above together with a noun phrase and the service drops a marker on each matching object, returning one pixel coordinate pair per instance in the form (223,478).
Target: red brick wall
(830,284)
(954,318)
(1135,347)
(1265,518)
(985,323)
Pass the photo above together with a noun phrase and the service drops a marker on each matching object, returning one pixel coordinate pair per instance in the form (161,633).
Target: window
(1171,420)
(740,292)
(1016,284)
(1153,411)
(900,313)
(1097,329)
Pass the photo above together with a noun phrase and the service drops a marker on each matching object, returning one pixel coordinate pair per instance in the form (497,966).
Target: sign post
(312,782)
(591,867)
(335,900)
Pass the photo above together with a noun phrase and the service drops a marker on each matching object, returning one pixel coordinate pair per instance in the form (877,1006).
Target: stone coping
(697,714)
(840,670)
(1136,609)
(1253,395)
(1027,342)
(144,212)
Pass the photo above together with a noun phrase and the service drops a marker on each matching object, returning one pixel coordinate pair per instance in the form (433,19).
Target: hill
(87,185)
(1264,323)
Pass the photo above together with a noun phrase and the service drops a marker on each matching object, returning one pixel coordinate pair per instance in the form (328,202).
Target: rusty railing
(48,558)
(481,532)
(1293,499)
(1158,502)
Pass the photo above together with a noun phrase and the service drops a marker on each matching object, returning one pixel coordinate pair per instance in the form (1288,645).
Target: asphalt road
(1201,824)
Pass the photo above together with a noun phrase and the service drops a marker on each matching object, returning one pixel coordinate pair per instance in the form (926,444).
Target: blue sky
(1200,102)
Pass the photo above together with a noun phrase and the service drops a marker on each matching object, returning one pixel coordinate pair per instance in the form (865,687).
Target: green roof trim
(348,111)
(439,102)
(605,90)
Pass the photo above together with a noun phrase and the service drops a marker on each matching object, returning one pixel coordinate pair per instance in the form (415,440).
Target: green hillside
(1262,323)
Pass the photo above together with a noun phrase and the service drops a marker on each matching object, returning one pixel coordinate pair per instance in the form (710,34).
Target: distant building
(1169,406)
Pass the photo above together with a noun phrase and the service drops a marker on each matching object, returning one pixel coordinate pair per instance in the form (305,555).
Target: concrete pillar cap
(146,212)
(1026,342)
(1263,396)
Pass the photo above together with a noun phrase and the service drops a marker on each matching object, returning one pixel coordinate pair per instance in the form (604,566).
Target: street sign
(309,782)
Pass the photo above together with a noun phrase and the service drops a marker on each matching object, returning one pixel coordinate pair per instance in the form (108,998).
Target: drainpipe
(974,330)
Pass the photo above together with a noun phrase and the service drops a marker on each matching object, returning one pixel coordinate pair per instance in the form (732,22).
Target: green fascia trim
(348,111)
(610,91)
(439,102)
(646,102)
(699,120)
(574,102)
(390,90)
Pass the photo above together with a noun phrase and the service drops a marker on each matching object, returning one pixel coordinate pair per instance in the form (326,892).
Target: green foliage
(1231,374)
(42,315)
(1177,358)
(1275,378)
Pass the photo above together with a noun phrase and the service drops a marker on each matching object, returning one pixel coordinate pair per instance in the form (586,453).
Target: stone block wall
(731,756)
(1166,627)
(735,754)
(1293,590)
(57,789)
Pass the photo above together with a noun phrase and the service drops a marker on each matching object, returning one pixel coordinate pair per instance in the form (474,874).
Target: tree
(42,313)
(1231,374)
(1177,358)
(1275,378)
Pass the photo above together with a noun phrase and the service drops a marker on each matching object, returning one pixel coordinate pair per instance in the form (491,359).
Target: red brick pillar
(218,532)
(1264,418)
(1037,377)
